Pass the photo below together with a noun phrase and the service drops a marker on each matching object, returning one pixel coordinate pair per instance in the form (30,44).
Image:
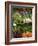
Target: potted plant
(22,24)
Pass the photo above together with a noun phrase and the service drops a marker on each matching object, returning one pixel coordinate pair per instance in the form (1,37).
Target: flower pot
(24,34)
(29,34)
